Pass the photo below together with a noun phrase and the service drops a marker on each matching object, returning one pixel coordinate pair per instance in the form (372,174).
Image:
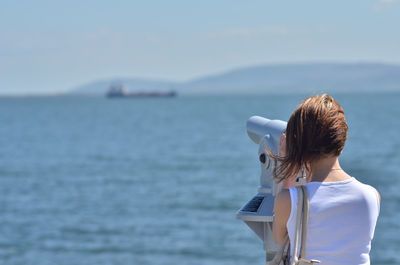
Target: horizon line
(216,73)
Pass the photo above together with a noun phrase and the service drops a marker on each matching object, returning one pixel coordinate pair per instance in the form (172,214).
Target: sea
(158,181)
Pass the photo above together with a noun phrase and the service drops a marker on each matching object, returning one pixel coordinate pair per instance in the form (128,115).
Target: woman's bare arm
(282,209)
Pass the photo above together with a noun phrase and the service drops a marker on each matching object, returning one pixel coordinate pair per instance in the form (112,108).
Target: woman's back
(343,211)
(342,221)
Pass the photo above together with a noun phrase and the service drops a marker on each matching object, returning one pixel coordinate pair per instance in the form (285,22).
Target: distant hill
(280,78)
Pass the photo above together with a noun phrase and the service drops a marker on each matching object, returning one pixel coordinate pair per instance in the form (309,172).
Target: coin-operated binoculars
(258,212)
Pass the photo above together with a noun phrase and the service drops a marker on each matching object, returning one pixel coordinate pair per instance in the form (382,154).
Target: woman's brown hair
(316,129)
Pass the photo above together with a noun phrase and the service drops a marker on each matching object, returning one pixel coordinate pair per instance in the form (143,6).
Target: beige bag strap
(304,223)
(298,225)
(301,260)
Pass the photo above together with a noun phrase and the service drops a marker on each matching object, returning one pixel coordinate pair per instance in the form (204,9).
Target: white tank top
(342,221)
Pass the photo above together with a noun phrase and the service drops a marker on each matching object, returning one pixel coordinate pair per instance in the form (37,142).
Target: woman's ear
(307,168)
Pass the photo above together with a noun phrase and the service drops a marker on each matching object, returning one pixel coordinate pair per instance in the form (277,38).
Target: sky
(54,46)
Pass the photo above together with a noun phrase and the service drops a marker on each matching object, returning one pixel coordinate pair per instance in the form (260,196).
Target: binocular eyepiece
(258,127)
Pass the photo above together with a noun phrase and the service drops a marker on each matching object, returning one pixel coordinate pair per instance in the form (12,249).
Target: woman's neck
(327,170)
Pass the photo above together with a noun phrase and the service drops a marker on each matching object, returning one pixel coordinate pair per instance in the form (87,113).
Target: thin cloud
(388,2)
(265,31)
(382,5)
(247,32)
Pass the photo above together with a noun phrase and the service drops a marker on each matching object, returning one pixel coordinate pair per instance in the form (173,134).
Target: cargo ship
(118,91)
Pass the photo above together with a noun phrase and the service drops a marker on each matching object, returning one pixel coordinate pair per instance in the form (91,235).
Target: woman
(343,211)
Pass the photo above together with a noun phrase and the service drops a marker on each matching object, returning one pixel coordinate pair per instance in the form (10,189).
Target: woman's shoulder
(377,193)
(369,193)
(374,191)
(369,188)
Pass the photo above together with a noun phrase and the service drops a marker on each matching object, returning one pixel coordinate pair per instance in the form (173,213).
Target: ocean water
(159,181)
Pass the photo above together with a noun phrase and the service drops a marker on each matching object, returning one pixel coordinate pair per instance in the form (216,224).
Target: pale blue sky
(52,46)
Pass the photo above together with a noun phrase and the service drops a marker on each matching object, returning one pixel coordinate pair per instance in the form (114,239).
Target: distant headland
(274,78)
